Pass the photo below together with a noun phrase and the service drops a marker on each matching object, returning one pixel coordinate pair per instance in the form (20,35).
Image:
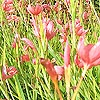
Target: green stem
(80,11)
(72,9)
(67,80)
(77,88)
(79,83)
(57,88)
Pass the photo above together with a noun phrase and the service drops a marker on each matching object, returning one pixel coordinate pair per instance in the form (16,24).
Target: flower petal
(49,68)
(83,51)
(67,54)
(29,43)
(60,71)
(94,53)
(95,63)
(4,73)
(8,72)
(36,29)
(78,62)
(35,10)
(25,58)
(11,71)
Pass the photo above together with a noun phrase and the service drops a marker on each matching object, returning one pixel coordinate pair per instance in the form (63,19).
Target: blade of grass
(19,89)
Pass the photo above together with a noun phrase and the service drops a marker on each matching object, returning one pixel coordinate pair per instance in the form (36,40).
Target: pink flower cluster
(8,72)
(7,6)
(88,55)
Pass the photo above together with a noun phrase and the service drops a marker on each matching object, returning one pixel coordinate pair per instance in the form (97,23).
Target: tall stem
(57,88)
(72,9)
(67,80)
(79,83)
(80,11)
(77,88)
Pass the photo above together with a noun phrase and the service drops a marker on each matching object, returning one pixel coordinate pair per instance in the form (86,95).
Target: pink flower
(12,18)
(67,55)
(49,68)
(67,2)
(56,7)
(85,15)
(29,43)
(35,10)
(63,38)
(34,61)
(53,71)
(87,1)
(88,55)
(60,71)
(16,39)
(25,58)
(13,44)
(36,29)
(49,29)
(8,6)
(79,29)
(78,61)
(8,72)
(46,6)
(59,22)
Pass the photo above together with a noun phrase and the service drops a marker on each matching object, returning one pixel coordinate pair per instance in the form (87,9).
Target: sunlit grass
(32,82)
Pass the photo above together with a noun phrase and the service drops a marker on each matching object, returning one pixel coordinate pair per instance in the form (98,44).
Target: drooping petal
(29,43)
(30,9)
(94,53)
(60,71)
(49,68)
(83,51)
(95,63)
(8,72)
(36,29)
(78,62)
(80,44)
(67,54)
